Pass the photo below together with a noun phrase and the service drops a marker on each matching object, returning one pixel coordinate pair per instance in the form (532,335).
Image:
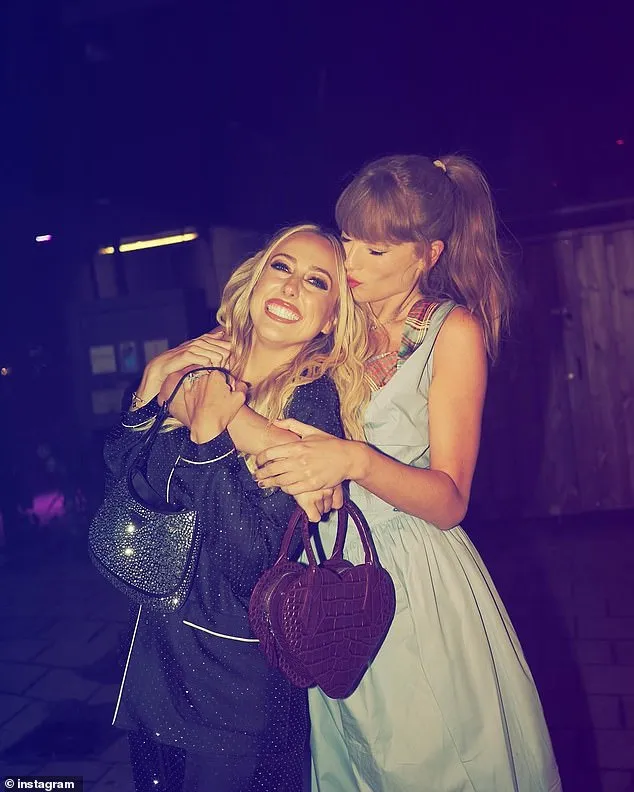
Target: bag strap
(348,509)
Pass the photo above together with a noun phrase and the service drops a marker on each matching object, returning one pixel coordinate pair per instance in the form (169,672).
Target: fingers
(313,513)
(297,427)
(312,504)
(275,469)
(240,387)
(337,497)
(300,488)
(278,452)
(326,501)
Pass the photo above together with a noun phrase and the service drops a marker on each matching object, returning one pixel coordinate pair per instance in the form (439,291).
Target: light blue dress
(449,703)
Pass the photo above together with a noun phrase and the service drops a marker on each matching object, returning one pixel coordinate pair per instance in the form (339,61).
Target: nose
(291,287)
(350,248)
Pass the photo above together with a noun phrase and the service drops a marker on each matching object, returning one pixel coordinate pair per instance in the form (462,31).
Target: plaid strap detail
(380,369)
(416,327)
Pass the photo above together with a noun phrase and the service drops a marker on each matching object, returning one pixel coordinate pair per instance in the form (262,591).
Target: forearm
(431,495)
(252,433)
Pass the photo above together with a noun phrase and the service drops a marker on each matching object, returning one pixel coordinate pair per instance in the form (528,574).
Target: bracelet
(137,401)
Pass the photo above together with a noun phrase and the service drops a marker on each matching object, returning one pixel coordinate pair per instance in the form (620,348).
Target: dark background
(139,116)
(126,117)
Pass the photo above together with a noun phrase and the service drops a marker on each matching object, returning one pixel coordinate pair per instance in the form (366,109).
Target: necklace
(376,322)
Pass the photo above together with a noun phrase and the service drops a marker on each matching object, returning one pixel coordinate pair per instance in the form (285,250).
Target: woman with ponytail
(449,703)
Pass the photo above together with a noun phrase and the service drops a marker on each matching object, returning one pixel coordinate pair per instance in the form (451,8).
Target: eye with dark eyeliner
(320,283)
(282,266)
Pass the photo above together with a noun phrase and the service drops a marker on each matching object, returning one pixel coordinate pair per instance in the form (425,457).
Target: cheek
(259,290)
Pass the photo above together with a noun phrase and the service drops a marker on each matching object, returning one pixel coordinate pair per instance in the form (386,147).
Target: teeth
(283,313)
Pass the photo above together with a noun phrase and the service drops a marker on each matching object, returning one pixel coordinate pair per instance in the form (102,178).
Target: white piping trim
(207,461)
(169,479)
(138,425)
(125,670)
(221,635)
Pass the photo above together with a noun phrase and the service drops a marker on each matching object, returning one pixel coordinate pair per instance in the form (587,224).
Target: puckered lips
(352,282)
(282,311)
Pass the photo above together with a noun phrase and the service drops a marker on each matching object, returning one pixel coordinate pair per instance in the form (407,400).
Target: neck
(395,309)
(264,358)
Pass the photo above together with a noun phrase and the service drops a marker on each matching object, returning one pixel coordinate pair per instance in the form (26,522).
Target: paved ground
(569,587)
(60,628)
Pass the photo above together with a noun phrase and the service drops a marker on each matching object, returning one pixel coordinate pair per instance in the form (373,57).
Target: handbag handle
(140,461)
(348,509)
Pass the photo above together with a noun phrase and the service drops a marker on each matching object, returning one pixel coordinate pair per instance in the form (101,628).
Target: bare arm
(439,494)
(252,433)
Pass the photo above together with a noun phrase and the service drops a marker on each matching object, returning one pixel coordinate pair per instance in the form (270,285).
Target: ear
(329,326)
(436,248)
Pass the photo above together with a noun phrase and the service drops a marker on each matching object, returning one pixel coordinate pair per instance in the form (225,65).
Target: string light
(44,238)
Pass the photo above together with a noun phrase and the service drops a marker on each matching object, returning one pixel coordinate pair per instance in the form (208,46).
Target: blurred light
(5,371)
(142,244)
(620,142)
(44,238)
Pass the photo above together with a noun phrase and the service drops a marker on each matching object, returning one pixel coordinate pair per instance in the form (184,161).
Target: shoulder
(322,388)
(317,403)
(460,347)
(460,332)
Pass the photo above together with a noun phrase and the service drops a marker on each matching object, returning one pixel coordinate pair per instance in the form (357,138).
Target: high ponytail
(412,199)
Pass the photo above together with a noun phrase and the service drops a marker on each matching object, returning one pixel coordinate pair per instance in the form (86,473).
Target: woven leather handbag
(321,624)
(145,546)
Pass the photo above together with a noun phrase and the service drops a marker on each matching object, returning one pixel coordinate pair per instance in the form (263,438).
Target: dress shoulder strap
(421,330)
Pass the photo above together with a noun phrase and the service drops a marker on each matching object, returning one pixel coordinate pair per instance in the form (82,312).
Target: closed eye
(282,266)
(371,251)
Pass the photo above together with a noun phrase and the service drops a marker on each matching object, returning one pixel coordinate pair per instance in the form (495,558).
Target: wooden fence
(558,433)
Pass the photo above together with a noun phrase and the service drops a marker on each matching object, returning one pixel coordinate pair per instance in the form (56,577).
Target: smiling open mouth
(282,311)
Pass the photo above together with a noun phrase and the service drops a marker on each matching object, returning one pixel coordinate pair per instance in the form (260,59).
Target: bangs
(375,209)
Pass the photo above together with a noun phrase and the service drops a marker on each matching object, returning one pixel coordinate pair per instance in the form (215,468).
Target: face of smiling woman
(297,293)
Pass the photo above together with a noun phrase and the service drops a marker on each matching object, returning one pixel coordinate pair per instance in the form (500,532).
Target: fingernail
(261,484)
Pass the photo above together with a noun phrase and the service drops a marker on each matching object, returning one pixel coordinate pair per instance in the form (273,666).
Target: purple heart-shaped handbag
(321,624)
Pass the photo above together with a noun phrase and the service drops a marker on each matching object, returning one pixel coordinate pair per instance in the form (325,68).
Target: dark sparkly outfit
(203,708)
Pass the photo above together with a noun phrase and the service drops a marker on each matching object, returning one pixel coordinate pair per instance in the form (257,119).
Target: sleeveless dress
(449,703)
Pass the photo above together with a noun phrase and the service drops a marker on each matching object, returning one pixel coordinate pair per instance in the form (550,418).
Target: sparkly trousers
(165,768)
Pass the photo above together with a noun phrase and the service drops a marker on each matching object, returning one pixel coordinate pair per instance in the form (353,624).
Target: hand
(316,462)
(209,349)
(316,504)
(210,403)
(177,408)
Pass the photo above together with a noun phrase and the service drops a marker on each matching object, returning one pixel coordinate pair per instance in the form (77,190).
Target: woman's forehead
(305,247)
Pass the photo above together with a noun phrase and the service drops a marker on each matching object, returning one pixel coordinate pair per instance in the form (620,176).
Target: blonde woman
(203,708)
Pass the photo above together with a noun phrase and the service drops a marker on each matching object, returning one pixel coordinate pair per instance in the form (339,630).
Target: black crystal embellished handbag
(144,545)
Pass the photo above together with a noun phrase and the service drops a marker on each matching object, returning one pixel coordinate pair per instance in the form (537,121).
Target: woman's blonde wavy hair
(339,354)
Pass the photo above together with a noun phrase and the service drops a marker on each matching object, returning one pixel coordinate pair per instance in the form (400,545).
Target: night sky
(160,113)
